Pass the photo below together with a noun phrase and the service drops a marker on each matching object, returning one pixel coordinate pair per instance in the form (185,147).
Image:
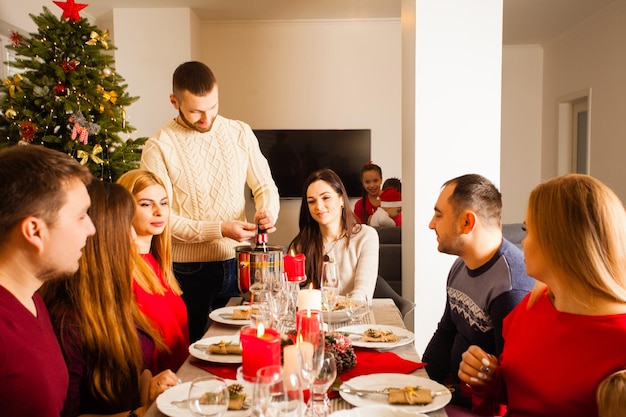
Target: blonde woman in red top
(154,285)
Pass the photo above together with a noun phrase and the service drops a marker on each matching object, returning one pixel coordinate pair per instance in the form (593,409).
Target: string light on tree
(67,95)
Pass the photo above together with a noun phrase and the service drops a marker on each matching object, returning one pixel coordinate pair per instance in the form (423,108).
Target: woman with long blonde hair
(107,342)
(154,285)
(570,332)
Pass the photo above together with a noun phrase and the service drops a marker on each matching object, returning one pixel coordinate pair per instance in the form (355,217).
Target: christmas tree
(67,94)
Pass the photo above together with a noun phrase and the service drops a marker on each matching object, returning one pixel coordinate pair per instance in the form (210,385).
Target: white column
(151,44)
(452,64)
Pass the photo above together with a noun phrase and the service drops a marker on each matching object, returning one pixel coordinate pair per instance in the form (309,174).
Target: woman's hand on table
(477,368)
(159,383)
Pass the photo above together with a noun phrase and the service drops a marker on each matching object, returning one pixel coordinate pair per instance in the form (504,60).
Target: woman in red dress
(154,285)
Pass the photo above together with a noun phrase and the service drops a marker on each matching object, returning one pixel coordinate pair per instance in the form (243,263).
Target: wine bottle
(261,240)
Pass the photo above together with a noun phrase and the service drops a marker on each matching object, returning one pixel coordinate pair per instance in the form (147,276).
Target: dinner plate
(382,381)
(224,315)
(180,393)
(206,356)
(404,336)
(378,410)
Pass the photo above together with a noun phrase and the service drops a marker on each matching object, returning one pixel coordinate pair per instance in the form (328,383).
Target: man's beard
(193,126)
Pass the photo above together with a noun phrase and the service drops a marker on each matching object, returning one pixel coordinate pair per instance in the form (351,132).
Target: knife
(364,392)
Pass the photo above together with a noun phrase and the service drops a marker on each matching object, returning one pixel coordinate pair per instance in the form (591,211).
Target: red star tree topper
(71,9)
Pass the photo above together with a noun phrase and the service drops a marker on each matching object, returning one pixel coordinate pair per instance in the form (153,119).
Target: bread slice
(410,395)
(241,314)
(225,348)
(375,335)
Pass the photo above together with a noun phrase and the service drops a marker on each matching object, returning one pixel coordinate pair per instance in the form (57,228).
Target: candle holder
(260,347)
(294,267)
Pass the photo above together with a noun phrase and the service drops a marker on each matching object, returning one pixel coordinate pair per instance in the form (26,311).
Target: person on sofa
(484,284)
(390,208)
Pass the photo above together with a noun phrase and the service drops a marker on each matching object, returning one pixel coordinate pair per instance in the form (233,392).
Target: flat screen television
(294,154)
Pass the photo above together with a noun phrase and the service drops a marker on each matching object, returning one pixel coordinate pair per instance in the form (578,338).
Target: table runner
(384,311)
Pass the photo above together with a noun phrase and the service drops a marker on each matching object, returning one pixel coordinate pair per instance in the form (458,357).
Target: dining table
(383,312)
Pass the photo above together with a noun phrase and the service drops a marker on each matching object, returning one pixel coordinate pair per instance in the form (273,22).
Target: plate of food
(377,336)
(407,392)
(233,315)
(339,312)
(377,410)
(173,402)
(221,349)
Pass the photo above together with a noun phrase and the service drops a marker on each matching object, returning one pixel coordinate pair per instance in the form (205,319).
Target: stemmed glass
(208,396)
(330,288)
(322,383)
(357,306)
(277,393)
(261,308)
(310,341)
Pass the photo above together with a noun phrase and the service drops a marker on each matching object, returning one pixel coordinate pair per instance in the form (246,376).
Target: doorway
(574,137)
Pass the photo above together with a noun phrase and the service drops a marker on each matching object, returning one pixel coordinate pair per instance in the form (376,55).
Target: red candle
(294,267)
(259,347)
(309,321)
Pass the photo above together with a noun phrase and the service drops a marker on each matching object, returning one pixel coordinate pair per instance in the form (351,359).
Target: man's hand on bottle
(266,220)
(238,230)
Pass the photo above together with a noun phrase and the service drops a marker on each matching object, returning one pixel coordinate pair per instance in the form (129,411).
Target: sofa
(390,251)
(390,256)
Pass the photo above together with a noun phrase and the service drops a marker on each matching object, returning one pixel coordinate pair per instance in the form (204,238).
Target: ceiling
(525,21)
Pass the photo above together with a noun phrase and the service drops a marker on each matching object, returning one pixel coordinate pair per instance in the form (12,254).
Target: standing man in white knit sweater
(205,161)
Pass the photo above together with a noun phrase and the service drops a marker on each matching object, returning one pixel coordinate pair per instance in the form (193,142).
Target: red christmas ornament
(68,65)
(27,131)
(16,38)
(71,9)
(59,90)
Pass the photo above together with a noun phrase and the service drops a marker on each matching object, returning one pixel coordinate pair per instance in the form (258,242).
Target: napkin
(222,370)
(369,361)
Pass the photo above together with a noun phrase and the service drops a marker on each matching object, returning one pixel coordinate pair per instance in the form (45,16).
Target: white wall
(146,59)
(522,84)
(311,75)
(591,56)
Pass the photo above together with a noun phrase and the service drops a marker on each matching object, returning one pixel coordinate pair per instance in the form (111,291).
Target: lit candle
(259,347)
(310,299)
(291,363)
(294,267)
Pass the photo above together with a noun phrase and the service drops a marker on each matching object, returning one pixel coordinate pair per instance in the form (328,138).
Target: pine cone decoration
(341,348)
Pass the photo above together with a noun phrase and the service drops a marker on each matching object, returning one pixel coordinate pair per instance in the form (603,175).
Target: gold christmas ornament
(10,113)
(106,71)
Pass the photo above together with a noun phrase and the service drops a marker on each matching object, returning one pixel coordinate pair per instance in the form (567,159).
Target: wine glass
(208,396)
(325,378)
(279,303)
(261,308)
(310,341)
(330,288)
(357,306)
(277,392)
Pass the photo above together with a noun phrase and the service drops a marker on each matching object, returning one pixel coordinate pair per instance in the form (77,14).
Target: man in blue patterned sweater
(484,284)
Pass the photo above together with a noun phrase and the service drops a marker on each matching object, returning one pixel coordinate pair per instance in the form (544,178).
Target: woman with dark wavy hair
(330,231)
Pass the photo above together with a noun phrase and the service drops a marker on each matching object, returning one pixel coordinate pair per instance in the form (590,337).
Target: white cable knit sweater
(205,176)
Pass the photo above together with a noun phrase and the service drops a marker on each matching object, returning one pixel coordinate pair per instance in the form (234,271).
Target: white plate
(223,315)
(206,356)
(404,336)
(377,410)
(382,381)
(180,393)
